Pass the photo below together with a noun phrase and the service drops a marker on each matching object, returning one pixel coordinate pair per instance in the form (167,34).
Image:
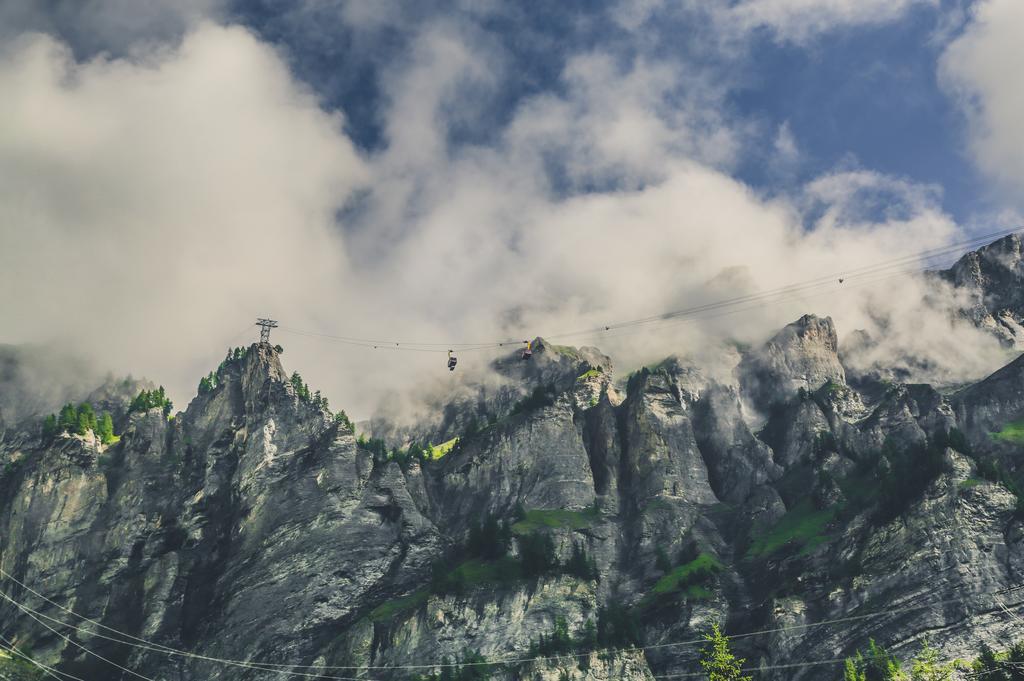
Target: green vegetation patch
(79,421)
(969,483)
(387,610)
(683,577)
(555,519)
(1012,432)
(860,488)
(696,592)
(435,452)
(17,669)
(803,525)
(588,374)
(151,399)
(832,388)
(475,572)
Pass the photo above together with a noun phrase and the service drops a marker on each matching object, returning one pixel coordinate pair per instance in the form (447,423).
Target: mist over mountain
(615,340)
(196,168)
(546,518)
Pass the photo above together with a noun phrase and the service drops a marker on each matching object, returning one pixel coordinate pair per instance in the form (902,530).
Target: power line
(26,610)
(49,671)
(791,665)
(845,275)
(834,281)
(153,647)
(836,660)
(727,312)
(1002,605)
(282,667)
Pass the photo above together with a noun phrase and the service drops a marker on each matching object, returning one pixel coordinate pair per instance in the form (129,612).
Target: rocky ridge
(255,527)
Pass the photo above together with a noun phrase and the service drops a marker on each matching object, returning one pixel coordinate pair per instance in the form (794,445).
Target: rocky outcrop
(804,355)
(987,406)
(250,512)
(989,280)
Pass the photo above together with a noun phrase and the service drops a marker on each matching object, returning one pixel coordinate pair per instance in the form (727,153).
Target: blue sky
(869,96)
(865,95)
(862,94)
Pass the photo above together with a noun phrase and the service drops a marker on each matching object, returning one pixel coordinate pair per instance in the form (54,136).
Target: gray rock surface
(804,355)
(254,527)
(990,282)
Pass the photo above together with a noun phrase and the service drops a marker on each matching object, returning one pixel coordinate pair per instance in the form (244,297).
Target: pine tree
(319,401)
(50,427)
(163,401)
(1015,660)
(537,554)
(987,665)
(579,565)
(588,637)
(148,399)
(342,418)
(851,672)
(105,429)
(301,389)
(86,418)
(68,419)
(927,667)
(877,665)
(718,661)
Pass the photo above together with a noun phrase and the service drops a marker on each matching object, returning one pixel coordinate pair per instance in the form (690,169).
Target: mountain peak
(992,279)
(804,354)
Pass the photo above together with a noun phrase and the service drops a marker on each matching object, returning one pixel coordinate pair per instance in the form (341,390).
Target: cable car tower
(265,326)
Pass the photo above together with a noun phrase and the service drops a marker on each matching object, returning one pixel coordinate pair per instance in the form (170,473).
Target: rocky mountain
(552,522)
(990,280)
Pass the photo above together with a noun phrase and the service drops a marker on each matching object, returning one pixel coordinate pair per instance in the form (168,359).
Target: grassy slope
(681,577)
(437,451)
(555,519)
(802,525)
(1012,432)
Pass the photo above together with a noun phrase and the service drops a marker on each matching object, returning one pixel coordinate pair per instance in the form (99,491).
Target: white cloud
(785,157)
(115,26)
(795,21)
(800,20)
(981,69)
(145,210)
(150,208)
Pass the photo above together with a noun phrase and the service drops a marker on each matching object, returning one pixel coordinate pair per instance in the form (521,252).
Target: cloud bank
(981,69)
(152,205)
(143,205)
(801,20)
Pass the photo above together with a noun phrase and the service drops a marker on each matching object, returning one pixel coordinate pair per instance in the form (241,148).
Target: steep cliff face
(577,528)
(804,355)
(990,281)
(250,511)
